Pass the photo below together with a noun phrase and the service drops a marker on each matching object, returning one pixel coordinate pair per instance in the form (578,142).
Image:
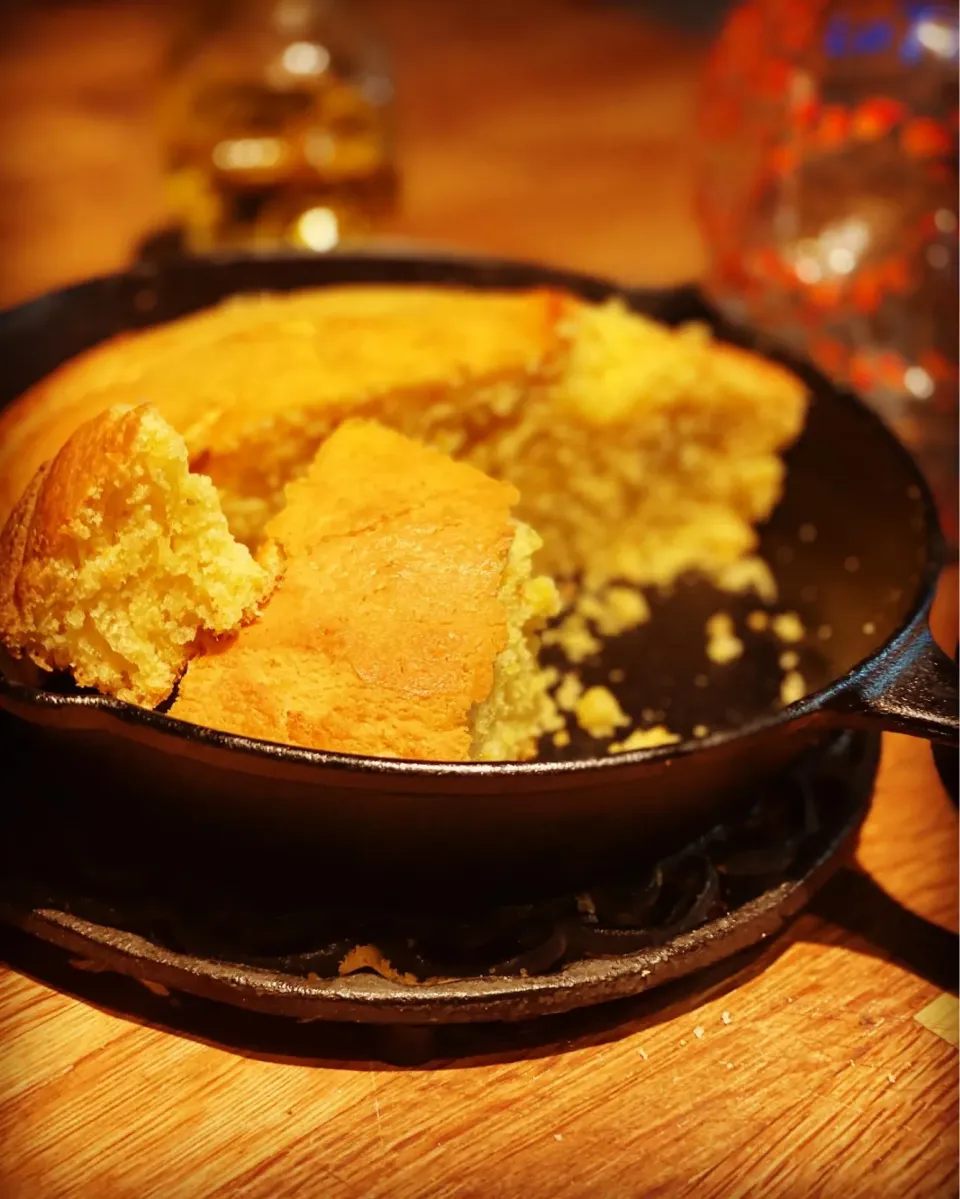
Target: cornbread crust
(384,632)
(640,451)
(245,370)
(40,527)
(116,556)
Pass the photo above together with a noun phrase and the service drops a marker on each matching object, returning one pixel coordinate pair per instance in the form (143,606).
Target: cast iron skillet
(856,551)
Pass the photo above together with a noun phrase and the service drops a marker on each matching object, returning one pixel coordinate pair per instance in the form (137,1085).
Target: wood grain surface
(555,131)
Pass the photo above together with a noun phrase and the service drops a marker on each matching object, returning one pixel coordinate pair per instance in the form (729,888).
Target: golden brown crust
(14,539)
(36,530)
(384,630)
(218,373)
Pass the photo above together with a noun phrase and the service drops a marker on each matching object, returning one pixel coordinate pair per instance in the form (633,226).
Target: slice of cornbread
(640,451)
(402,624)
(117,556)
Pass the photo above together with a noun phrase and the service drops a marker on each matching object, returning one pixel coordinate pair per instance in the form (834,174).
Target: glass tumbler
(275,125)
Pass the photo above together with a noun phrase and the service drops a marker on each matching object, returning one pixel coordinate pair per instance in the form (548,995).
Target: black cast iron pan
(855,548)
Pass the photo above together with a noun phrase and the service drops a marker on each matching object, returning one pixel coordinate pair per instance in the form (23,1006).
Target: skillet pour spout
(856,554)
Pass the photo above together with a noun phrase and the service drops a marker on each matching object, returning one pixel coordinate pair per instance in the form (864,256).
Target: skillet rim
(824,704)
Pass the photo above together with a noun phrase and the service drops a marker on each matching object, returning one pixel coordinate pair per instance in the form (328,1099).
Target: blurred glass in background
(828,196)
(275,126)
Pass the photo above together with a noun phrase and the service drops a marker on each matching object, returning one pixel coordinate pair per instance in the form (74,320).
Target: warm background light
(551,130)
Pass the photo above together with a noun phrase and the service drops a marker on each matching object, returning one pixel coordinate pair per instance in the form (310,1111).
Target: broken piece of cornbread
(117,557)
(403,623)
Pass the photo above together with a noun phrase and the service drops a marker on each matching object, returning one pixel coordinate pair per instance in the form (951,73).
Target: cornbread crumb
(561,739)
(617,675)
(789,659)
(569,692)
(369,957)
(749,574)
(644,739)
(723,646)
(700,730)
(574,637)
(792,688)
(518,708)
(758,621)
(615,609)
(598,712)
(788,627)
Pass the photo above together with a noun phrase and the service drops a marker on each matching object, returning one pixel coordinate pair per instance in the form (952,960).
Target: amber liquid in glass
(251,165)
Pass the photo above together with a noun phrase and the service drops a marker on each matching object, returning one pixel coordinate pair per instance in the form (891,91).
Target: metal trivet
(207,923)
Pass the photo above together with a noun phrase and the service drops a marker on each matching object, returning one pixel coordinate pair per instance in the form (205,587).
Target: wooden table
(566,140)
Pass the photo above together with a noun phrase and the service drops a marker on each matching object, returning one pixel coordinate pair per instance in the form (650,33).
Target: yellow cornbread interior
(649,454)
(519,708)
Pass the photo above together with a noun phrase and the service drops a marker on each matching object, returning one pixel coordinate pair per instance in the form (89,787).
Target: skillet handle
(912,691)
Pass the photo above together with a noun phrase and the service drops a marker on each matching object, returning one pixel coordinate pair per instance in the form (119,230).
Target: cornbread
(792,688)
(369,957)
(569,692)
(117,557)
(614,610)
(385,451)
(574,637)
(788,627)
(639,451)
(723,645)
(599,713)
(402,624)
(758,621)
(646,739)
(748,574)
